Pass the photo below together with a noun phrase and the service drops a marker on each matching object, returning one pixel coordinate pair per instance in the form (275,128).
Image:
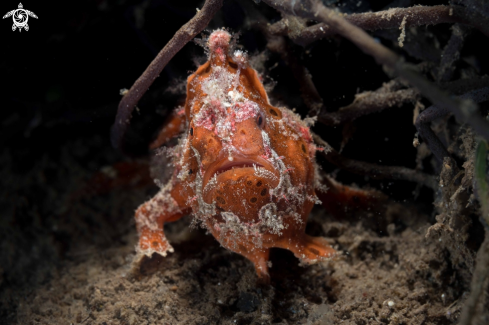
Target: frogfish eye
(260,121)
(191,131)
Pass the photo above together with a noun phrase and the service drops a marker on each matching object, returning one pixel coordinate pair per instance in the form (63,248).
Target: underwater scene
(313,162)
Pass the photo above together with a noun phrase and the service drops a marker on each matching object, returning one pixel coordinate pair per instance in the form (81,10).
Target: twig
(186,33)
(314,9)
(451,53)
(83,321)
(426,133)
(387,19)
(462,86)
(373,170)
(370,102)
(308,90)
(419,46)
(481,6)
(279,45)
(434,112)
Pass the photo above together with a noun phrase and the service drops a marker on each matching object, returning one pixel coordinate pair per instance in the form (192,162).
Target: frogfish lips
(241,186)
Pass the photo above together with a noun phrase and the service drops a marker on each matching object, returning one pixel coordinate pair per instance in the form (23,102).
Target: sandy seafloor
(75,266)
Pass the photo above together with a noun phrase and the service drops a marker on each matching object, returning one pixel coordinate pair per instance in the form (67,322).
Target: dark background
(60,84)
(62,78)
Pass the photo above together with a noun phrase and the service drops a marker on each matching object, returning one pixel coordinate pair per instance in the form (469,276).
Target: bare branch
(186,33)
(434,112)
(373,170)
(462,86)
(451,53)
(314,9)
(388,19)
(481,6)
(370,102)
(419,46)
(280,45)
(308,90)
(426,133)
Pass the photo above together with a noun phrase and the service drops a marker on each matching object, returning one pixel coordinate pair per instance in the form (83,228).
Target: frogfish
(244,169)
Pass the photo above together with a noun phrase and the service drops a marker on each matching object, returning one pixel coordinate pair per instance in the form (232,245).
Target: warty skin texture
(244,169)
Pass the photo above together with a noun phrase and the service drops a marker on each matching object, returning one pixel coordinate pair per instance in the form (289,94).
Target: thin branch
(186,33)
(280,45)
(387,19)
(481,6)
(428,135)
(434,112)
(451,53)
(373,170)
(419,45)
(308,90)
(370,102)
(462,86)
(314,9)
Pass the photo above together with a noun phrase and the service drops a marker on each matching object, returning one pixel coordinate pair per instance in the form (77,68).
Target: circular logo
(20,17)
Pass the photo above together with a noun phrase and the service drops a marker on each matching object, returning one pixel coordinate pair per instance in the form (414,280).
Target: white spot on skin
(161,203)
(241,58)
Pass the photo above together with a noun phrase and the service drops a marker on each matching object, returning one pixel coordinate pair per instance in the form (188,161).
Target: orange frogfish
(244,169)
